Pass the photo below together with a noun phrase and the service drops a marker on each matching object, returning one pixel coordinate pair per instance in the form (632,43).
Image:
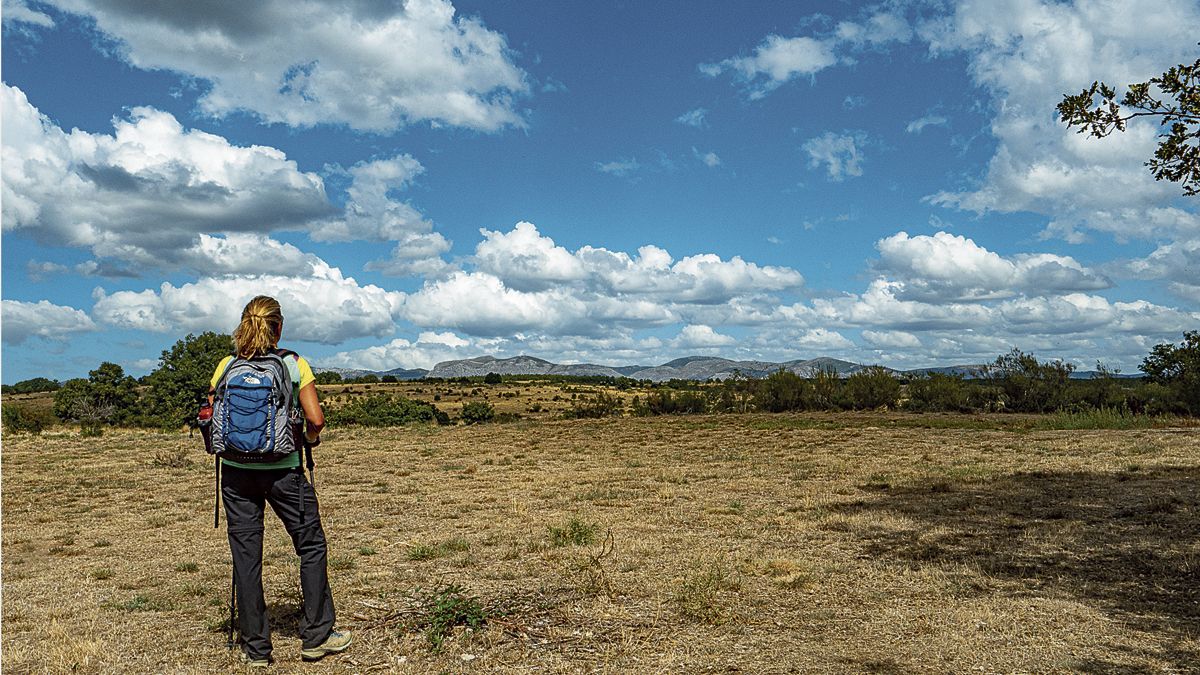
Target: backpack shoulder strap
(292,360)
(227,361)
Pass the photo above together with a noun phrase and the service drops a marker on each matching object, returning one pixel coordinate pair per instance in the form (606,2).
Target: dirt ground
(753,543)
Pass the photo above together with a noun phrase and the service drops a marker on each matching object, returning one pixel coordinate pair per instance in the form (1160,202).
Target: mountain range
(686,368)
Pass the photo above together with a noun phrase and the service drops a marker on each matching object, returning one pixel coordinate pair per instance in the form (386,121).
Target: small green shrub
(601,405)
(478,412)
(667,402)
(447,607)
(699,596)
(385,410)
(423,552)
(432,551)
(938,392)
(574,532)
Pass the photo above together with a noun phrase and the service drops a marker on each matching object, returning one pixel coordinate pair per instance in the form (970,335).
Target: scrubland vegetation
(1018,521)
(830,542)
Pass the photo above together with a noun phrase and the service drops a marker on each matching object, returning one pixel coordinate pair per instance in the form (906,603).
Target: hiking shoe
(252,662)
(336,642)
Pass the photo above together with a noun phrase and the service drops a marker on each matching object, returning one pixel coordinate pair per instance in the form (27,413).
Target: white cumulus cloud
(426,351)
(370,66)
(146,193)
(325,307)
(23,320)
(946,267)
(1028,54)
(694,336)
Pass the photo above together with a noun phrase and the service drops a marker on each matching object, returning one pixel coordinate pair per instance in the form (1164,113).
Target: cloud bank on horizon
(421,182)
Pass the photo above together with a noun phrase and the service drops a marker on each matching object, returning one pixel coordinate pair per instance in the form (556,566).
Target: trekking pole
(308,461)
(217,500)
(232,599)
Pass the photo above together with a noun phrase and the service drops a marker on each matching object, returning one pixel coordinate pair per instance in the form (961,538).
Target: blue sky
(602,182)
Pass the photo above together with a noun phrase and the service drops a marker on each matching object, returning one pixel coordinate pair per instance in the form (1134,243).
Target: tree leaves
(1177,157)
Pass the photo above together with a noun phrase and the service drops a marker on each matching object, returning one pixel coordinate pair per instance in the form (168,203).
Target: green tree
(110,386)
(33,386)
(1176,106)
(71,391)
(328,377)
(176,388)
(872,387)
(1178,369)
(938,392)
(492,378)
(107,396)
(782,391)
(1029,385)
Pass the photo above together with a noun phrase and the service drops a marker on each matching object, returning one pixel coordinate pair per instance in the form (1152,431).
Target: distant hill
(405,373)
(398,373)
(686,368)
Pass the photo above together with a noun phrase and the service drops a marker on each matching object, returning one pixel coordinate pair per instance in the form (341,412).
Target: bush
(668,402)
(1102,391)
(478,412)
(827,389)
(872,387)
(1177,369)
(25,418)
(384,410)
(783,391)
(492,378)
(938,392)
(601,405)
(363,379)
(1029,385)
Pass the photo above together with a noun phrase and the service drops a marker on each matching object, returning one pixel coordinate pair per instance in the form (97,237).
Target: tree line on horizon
(168,397)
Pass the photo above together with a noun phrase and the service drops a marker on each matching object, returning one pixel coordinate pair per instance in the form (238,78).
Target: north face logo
(250,379)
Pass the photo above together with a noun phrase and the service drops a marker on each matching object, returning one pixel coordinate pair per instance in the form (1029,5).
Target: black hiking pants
(245,492)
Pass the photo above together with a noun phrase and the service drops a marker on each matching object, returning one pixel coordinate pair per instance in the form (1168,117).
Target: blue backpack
(256,414)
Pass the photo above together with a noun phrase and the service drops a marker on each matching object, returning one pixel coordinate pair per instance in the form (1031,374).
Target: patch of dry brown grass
(763,543)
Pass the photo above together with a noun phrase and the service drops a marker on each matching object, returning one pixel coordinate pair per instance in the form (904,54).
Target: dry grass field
(754,543)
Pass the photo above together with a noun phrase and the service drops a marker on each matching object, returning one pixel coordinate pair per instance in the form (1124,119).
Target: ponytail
(258,332)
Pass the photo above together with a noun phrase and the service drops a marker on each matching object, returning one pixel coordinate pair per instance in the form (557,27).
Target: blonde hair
(258,333)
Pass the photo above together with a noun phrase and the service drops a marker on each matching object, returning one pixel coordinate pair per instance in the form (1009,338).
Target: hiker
(282,483)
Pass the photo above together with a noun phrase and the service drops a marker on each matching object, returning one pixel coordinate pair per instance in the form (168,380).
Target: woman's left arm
(312,412)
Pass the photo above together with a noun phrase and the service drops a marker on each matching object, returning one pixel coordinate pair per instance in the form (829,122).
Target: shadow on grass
(1125,543)
(285,616)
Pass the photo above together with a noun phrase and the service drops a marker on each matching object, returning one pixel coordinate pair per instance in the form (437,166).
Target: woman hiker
(245,489)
